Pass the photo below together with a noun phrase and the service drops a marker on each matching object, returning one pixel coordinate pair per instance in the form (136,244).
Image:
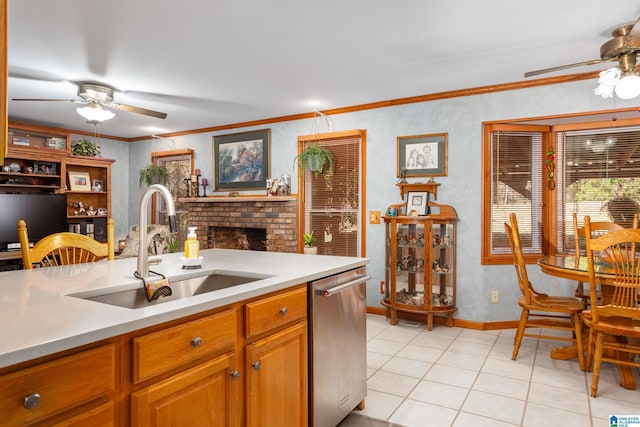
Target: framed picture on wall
(241,160)
(422,155)
(79,181)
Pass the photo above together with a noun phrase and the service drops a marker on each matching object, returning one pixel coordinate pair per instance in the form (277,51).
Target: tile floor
(464,377)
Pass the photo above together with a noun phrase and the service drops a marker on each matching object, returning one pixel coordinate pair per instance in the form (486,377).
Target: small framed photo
(422,155)
(79,181)
(417,202)
(45,168)
(97,185)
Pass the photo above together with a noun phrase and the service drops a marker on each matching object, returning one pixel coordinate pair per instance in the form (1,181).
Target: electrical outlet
(495,297)
(374,217)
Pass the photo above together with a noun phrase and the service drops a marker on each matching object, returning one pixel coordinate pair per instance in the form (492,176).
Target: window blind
(601,179)
(332,203)
(516,186)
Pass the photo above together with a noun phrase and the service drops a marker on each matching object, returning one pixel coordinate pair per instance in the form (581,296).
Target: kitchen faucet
(143,256)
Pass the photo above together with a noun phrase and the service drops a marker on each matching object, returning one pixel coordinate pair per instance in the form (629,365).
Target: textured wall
(462,119)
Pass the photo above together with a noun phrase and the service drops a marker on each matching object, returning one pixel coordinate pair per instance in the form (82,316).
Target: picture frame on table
(97,185)
(241,161)
(79,181)
(417,203)
(422,155)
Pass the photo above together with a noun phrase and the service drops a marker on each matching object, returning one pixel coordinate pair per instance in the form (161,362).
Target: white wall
(462,119)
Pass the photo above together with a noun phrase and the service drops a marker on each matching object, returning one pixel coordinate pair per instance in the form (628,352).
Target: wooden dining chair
(617,312)
(540,310)
(64,248)
(598,228)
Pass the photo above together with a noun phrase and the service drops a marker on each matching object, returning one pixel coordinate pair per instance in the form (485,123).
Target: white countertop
(38,317)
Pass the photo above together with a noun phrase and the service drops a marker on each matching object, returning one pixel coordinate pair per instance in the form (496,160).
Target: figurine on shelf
(420,240)
(446,241)
(91,211)
(435,240)
(79,208)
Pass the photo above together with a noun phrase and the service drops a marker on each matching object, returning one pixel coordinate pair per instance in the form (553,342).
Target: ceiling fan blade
(633,38)
(563,67)
(139,110)
(45,99)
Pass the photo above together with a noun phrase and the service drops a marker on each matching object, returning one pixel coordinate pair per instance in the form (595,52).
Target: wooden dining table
(576,268)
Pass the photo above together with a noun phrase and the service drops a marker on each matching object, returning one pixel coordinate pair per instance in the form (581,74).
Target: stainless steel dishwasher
(337,347)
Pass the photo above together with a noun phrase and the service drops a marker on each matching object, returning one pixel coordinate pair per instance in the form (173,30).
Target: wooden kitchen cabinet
(76,389)
(276,360)
(207,395)
(203,388)
(421,264)
(277,379)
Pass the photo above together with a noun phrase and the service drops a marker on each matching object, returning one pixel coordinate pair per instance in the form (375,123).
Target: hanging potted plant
(309,243)
(153,174)
(314,157)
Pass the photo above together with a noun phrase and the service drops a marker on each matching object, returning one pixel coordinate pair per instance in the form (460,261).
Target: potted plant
(309,243)
(314,157)
(621,210)
(153,174)
(84,147)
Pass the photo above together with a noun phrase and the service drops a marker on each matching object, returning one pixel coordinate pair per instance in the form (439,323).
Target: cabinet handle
(31,401)
(196,342)
(256,366)
(284,311)
(235,375)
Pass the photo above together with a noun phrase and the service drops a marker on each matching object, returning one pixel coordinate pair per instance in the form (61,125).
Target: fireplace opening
(254,239)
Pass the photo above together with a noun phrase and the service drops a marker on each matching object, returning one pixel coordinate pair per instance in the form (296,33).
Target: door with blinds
(332,204)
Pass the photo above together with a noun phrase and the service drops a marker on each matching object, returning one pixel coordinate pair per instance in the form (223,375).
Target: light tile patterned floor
(463,377)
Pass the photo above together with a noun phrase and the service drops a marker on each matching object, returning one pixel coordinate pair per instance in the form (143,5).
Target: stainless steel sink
(136,298)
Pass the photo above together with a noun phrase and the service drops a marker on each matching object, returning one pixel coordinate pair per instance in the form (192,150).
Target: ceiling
(220,62)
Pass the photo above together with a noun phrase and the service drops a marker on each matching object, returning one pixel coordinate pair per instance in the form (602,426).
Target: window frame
(304,182)
(549,198)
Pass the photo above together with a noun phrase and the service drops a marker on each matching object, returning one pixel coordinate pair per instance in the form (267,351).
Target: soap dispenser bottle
(192,245)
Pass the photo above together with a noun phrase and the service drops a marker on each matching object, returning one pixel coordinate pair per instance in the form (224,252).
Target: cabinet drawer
(169,348)
(61,384)
(275,311)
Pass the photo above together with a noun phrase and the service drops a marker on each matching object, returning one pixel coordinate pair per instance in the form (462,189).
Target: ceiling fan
(623,47)
(97,95)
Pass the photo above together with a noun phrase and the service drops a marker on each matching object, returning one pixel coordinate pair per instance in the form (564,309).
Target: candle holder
(204,184)
(187,181)
(195,183)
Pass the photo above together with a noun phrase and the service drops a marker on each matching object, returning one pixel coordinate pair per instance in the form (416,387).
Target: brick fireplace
(278,216)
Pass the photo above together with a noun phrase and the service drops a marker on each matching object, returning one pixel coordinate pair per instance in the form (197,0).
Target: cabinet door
(206,395)
(277,379)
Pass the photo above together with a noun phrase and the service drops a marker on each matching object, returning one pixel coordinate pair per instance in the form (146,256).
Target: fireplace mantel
(227,199)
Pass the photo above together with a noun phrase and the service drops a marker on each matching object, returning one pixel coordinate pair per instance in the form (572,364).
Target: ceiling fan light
(94,113)
(629,86)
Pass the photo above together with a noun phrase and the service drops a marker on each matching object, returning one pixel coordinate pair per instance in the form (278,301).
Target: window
(514,184)
(179,165)
(332,205)
(601,179)
(596,173)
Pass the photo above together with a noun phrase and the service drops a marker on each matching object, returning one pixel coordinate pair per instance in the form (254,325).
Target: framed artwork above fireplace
(241,160)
